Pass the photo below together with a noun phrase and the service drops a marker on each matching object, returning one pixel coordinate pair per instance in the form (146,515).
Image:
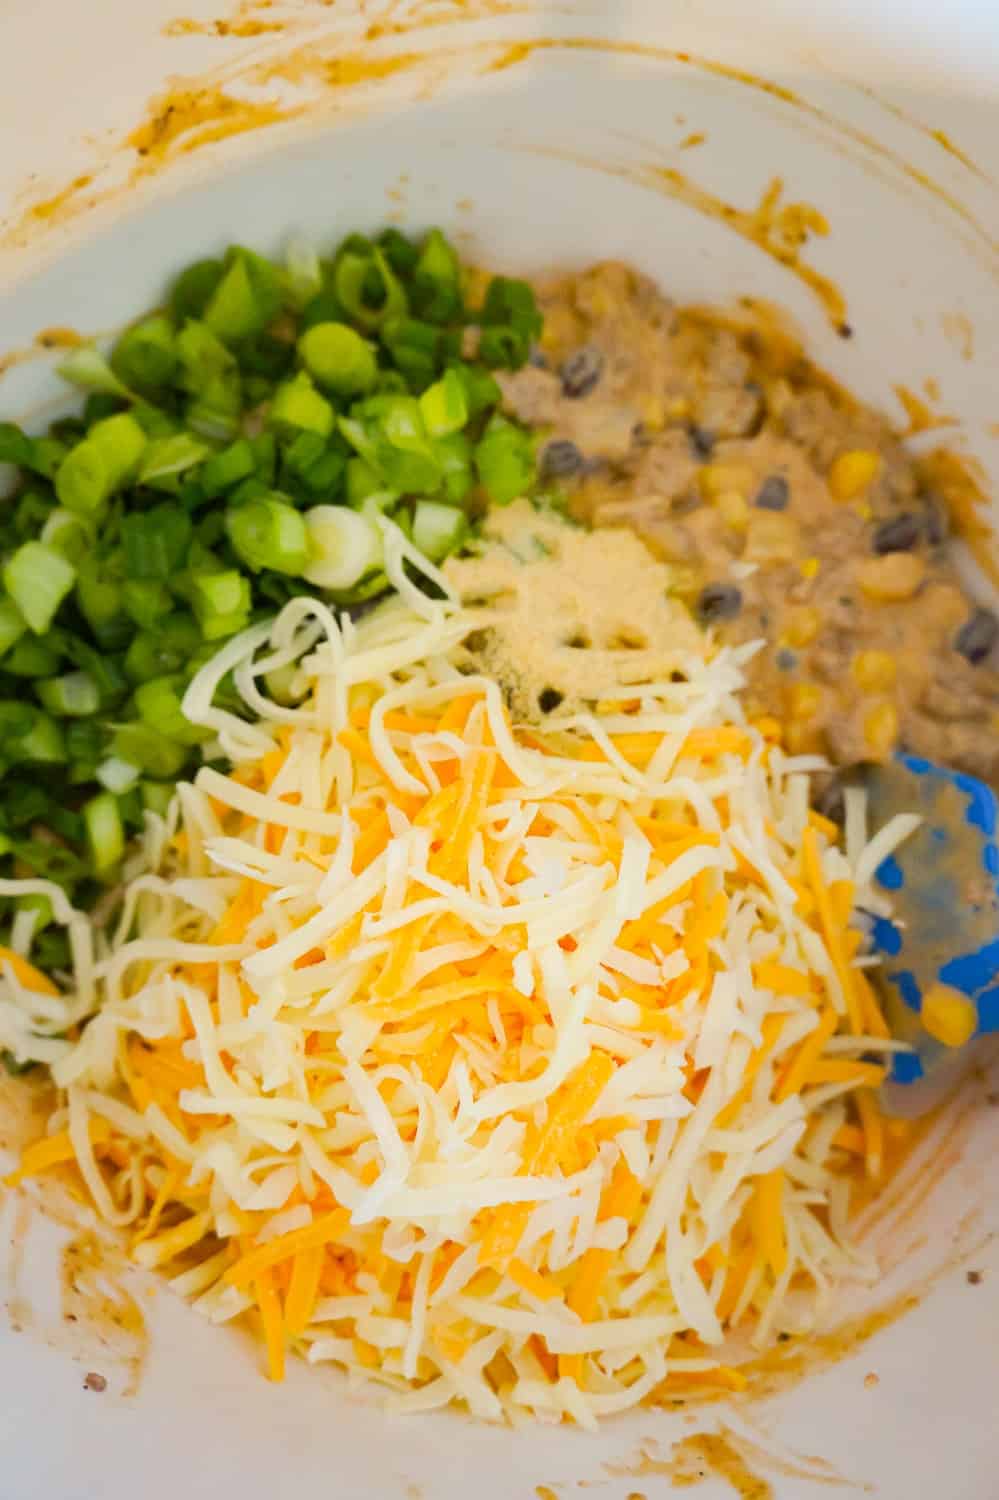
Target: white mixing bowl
(532,152)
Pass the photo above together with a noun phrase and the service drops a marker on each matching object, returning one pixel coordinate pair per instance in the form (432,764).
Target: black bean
(581,371)
(560,459)
(548,699)
(787,661)
(701,441)
(977,635)
(773,494)
(718,601)
(899,534)
(936,520)
(831,802)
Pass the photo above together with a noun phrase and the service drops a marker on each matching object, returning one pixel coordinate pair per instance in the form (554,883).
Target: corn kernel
(715,478)
(801,739)
(809,567)
(874,671)
(684,579)
(769,728)
(891,578)
(803,625)
(653,409)
(949,1016)
(678,409)
(881,730)
(804,699)
(733,509)
(852,472)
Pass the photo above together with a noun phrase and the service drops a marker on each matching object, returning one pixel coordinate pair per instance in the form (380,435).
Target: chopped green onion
(345,546)
(33,656)
(481,390)
(414,347)
(168,648)
(156,798)
(437,280)
(99,598)
(285,684)
(361,481)
(42,908)
(246,298)
(146,356)
(503,348)
(156,541)
(108,457)
(444,406)
(438,529)
(297,404)
(221,602)
(167,456)
(454,454)
(104,830)
(399,251)
(146,601)
(68,533)
(227,468)
(157,703)
(303,272)
(38,578)
(117,775)
(268,533)
(338,358)
(39,740)
(72,696)
(146,748)
(104,669)
(193,288)
(504,460)
(510,301)
(12,625)
(87,368)
(367,288)
(15,446)
(85,740)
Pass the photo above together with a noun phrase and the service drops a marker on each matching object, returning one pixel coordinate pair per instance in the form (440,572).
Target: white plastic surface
(530,166)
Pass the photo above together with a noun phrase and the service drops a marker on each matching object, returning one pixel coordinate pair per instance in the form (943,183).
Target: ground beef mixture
(787,511)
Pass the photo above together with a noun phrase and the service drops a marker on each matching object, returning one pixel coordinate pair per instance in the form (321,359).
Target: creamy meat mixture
(786,510)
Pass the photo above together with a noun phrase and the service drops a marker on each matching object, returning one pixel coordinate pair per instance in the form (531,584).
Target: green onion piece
(42,743)
(15,445)
(454,454)
(156,798)
(211,377)
(156,541)
(104,830)
(169,648)
(438,529)
(367,288)
(437,280)
(72,696)
(146,356)
(146,601)
(363,442)
(98,597)
(149,750)
(246,298)
(338,358)
(103,668)
(503,348)
(108,457)
(361,481)
(285,684)
(481,390)
(157,703)
(12,625)
(444,406)
(68,533)
(509,301)
(297,404)
(87,369)
(303,272)
(415,348)
(32,656)
(324,308)
(38,578)
(221,603)
(504,460)
(47,453)
(399,251)
(345,545)
(117,775)
(85,739)
(190,293)
(268,533)
(41,906)
(167,456)
(227,468)
(32,510)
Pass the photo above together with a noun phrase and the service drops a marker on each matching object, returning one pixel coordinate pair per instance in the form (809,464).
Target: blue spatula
(941,951)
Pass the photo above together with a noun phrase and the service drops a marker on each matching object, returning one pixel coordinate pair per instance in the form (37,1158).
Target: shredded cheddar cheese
(485,1061)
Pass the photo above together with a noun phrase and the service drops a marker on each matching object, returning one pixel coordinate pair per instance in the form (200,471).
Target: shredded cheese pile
(501,1066)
